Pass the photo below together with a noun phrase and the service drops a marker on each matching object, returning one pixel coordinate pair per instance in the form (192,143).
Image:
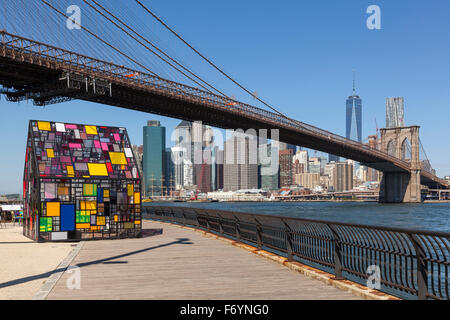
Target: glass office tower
(153,160)
(354,117)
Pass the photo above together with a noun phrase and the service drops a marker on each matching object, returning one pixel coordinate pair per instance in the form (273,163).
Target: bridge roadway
(47,74)
(184,264)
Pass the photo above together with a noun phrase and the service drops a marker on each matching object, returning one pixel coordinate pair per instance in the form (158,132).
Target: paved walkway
(183,264)
(25,265)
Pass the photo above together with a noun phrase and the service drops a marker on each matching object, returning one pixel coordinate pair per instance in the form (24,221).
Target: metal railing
(23,49)
(412,264)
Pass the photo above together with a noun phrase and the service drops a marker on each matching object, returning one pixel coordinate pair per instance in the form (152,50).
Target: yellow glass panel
(88,205)
(95,228)
(130,189)
(116,218)
(70,171)
(137,197)
(83,225)
(137,222)
(105,193)
(118,158)
(97,169)
(50,153)
(91,205)
(101,221)
(44,126)
(91,129)
(53,209)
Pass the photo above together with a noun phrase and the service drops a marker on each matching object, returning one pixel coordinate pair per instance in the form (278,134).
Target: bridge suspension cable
(152,45)
(100,39)
(207,60)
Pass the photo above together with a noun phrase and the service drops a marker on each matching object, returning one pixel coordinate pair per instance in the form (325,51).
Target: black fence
(409,264)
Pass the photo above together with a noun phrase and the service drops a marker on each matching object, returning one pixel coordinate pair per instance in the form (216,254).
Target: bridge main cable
(154,46)
(102,40)
(207,60)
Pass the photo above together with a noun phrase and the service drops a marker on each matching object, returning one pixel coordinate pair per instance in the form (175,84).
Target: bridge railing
(409,264)
(68,61)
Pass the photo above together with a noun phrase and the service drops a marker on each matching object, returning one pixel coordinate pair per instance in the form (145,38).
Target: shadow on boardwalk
(99,261)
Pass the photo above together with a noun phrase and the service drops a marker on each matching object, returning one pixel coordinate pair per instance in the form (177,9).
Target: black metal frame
(413,264)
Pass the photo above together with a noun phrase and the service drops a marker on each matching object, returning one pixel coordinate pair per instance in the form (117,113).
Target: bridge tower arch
(402,143)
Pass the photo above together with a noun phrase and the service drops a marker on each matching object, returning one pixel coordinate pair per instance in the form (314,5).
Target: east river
(424,216)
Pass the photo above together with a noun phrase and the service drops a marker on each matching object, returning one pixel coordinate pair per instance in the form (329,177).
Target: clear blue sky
(299,56)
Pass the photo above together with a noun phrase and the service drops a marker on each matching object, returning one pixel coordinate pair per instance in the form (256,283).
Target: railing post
(208,225)
(238,230)
(259,234)
(184,217)
(288,232)
(337,255)
(220,224)
(422,268)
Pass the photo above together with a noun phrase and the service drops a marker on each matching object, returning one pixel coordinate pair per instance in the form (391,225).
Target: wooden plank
(183,264)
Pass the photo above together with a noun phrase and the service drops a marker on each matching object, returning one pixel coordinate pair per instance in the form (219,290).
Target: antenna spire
(354,87)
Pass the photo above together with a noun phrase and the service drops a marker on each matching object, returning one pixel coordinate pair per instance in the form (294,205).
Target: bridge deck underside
(43,81)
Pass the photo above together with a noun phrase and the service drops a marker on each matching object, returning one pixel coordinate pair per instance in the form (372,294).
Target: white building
(303,158)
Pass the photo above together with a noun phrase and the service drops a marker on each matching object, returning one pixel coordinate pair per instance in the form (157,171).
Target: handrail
(412,264)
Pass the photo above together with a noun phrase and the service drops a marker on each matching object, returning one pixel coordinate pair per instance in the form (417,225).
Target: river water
(424,216)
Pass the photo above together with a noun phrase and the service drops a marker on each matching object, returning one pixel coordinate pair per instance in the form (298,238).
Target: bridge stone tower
(402,143)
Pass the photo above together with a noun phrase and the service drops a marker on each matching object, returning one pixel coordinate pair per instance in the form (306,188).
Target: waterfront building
(395,112)
(202,172)
(177,154)
(353,116)
(240,162)
(269,175)
(153,162)
(80,182)
(303,158)
(285,161)
(314,165)
(219,170)
(188,174)
(307,180)
(184,153)
(169,172)
(297,167)
(343,176)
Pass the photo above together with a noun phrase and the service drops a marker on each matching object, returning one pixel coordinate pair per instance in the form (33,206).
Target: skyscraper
(269,174)
(153,159)
(240,170)
(285,167)
(354,116)
(343,176)
(303,158)
(395,112)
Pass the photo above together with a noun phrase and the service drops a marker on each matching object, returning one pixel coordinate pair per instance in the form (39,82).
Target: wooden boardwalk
(183,264)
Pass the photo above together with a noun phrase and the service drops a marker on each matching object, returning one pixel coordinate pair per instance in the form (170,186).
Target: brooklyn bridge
(32,69)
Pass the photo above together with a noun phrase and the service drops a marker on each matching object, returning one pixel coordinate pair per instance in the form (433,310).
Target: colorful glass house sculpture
(80,182)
